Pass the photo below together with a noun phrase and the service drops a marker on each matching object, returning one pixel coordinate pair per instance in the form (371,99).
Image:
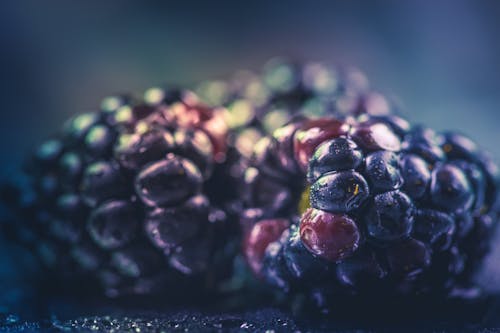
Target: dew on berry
(383,171)
(334,155)
(416,175)
(339,192)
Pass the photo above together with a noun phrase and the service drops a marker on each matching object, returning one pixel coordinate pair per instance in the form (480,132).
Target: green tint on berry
(305,201)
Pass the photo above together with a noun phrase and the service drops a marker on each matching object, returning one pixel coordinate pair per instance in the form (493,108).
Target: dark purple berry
(168,227)
(382,169)
(408,258)
(102,181)
(431,225)
(477,180)
(399,125)
(458,146)
(275,270)
(266,192)
(114,224)
(389,216)
(450,189)
(339,191)
(168,182)
(197,147)
(265,155)
(416,175)
(334,155)
(132,192)
(99,141)
(298,258)
(284,138)
(77,128)
(424,142)
(133,151)
(191,115)
(360,271)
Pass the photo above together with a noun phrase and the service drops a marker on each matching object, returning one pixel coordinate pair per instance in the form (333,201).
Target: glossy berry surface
(383,171)
(389,216)
(416,175)
(342,191)
(450,189)
(330,236)
(168,182)
(123,198)
(336,154)
(375,206)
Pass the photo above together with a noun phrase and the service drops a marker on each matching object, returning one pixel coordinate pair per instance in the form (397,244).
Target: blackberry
(375,206)
(122,197)
(258,103)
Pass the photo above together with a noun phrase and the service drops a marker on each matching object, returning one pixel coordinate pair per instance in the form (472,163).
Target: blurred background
(441,59)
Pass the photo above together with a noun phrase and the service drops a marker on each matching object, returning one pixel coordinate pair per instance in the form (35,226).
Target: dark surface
(479,318)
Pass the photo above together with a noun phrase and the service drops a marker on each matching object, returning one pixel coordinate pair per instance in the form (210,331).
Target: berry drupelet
(367,204)
(120,196)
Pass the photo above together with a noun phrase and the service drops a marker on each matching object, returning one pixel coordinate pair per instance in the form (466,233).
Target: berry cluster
(258,103)
(344,197)
(120,195)
(366,204)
